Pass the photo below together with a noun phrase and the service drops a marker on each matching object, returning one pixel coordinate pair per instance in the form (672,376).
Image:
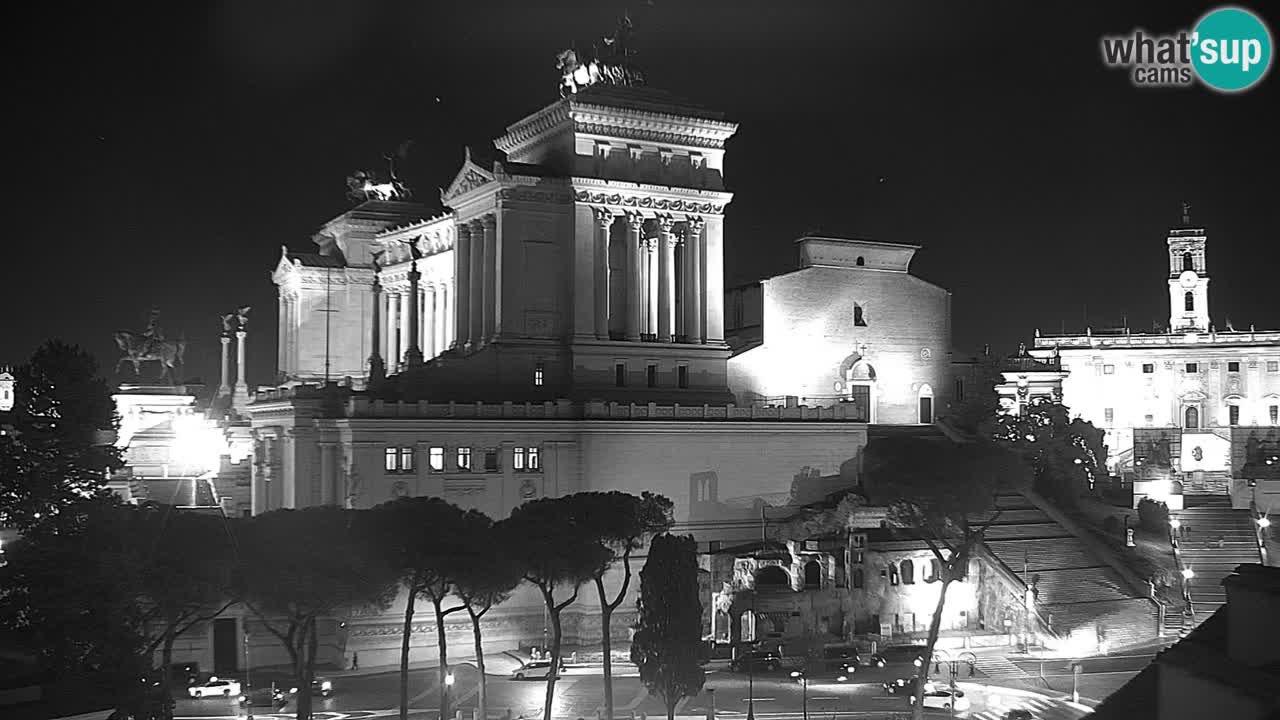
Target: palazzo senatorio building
(558,325)
(1193,409)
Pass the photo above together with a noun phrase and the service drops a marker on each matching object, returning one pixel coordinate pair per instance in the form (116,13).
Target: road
(579,692)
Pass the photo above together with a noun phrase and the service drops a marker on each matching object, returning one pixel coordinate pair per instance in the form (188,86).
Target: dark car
(757,660)
(836,661)
(899,655)
(1019,714)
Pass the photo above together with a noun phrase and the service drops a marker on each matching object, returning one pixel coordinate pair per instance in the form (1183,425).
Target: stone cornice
(622,196)
(533,128)
(1201,341)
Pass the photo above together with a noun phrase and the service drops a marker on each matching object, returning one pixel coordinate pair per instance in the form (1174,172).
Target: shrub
(1153,516)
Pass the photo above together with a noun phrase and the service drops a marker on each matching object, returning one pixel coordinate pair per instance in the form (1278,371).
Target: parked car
(898,654)
(213,687)
(946,699)
(757,660)
(534,670)
(1019,714)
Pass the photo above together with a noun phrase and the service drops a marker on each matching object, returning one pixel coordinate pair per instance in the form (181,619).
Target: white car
(534,670)
(215,686)
(942,699)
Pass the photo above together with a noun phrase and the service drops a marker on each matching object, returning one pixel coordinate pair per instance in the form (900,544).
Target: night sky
(161,156)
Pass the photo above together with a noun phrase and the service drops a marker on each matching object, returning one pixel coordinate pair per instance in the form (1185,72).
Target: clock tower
(1188,277)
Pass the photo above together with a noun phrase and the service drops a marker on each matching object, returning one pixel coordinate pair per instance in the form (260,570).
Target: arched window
(772,576)
(935,571)
(1189,301)
(860,261)
(813,574)
(925,401)
(1188,263)
(859,320)
(908,572)
(1193,418)
(858,580)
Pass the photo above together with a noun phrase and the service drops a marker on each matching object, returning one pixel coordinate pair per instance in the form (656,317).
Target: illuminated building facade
(1195,410)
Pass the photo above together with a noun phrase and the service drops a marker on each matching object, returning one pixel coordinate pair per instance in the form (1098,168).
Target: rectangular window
(517,459)
(406,459)
(1273,366)
(537,374)
(682,376)
(435,458)
(1110,415)
(1275,414)
(1148,368)
(464,458)
(391,460)
(1233,414)
(534,458)
(651,375)
(1193,367)
(620,374)
(490,459)
(1233,366)
(1149,419)
(1108,369)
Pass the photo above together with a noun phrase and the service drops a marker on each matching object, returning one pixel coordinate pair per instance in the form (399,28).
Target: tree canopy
(1066,455)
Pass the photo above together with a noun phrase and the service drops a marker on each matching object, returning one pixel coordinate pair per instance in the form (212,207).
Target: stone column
(413,355)
(475,325)
(462,280)
(393,331)
(694,287)
(444,307)
(377,370)
(282,336)
(651,279)
(490,267)
(635,287)
(713,279)
(224,388)
(402,335)
(604,221)
(666,255)
(241,392)
(429,344)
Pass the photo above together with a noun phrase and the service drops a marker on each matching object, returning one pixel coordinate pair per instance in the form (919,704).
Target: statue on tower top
(607,64)
(1186,213)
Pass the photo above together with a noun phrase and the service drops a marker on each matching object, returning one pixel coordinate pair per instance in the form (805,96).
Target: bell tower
(1188,277)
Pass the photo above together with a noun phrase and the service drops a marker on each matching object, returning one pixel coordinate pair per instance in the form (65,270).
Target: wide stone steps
(1045,554)
(1215,539)
(998,666)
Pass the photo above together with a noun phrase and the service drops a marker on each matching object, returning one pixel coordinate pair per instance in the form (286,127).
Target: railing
(359,406)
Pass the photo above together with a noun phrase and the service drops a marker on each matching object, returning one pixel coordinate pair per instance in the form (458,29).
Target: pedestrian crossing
(998,666)
(1041,709)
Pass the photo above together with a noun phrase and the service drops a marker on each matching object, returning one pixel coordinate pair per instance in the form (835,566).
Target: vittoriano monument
(150,346)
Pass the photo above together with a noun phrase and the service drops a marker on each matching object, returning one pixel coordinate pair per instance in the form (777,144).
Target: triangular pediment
(470,176)
(284,267)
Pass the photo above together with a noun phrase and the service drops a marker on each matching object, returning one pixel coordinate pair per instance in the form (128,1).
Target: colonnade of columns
(475,271)
(664,301)
(398,309)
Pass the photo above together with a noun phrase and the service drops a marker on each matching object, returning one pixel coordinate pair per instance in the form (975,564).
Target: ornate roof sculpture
(606,64)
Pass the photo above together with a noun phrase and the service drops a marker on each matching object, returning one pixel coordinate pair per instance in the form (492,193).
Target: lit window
(1110,415)
(1108,369)
(517,459)
(620,374)
(391,459)
(534,460)
(1193,367)
(1148,368)
(1275,414)
(406,459)
(682,376)
(1233,414)
(893,574)
(436,459)
(537,374)
(1233,366)
(464,458)
(651,375)
(491,459)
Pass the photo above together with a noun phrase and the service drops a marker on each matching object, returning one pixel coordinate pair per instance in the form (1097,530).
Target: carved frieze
(649,203)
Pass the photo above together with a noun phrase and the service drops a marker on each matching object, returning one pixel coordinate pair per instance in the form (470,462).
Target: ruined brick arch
(772,576)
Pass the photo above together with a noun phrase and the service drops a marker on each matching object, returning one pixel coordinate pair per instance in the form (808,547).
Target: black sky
(161,155)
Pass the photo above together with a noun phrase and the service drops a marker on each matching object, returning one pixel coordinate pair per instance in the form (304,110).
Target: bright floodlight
(1175,523)
(1188,573)
(795,673)
(448,679)
(1264,522)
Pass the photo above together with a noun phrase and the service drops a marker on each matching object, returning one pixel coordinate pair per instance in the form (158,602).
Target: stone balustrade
(592,410)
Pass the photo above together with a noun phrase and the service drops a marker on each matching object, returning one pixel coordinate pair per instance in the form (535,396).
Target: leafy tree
(1067,456)
(667,646)
(974,416)
(186,563)
(620,522)
(935,488)
(424,538)
(60,445)
(486,575)
(299,566)
(69,590)
(554,549)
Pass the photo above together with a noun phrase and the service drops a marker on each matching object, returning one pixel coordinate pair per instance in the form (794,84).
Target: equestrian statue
(150,346)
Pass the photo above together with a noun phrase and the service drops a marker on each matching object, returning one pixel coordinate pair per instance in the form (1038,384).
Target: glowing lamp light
(1188,573)
(1175,523)
(448,679)
(196,443)
(1264,522)
(795,673)
(842,678)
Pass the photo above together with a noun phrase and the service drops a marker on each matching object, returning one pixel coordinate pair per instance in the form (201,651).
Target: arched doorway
(1192,415)
(925,401)
(860,379)
(812,575)
(772,577)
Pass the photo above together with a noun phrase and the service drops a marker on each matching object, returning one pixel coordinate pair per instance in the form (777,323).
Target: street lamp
(248,682)
(1175,526)
(1188,573)
(804,696)
(448,685)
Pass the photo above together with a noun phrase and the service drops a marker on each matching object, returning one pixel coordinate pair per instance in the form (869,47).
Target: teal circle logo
(1231,49)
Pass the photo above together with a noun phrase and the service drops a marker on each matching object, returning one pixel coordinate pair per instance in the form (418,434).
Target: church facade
(1194,410)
